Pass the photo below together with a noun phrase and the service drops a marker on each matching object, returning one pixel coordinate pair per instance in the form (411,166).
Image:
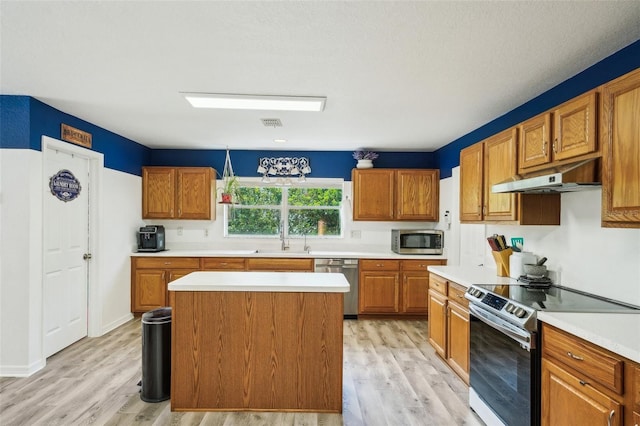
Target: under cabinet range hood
(566,178)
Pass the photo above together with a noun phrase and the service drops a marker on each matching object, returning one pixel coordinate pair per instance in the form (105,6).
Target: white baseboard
(115,324)
(22,370)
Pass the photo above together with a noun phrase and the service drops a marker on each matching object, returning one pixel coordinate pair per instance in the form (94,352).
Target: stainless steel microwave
(417,241)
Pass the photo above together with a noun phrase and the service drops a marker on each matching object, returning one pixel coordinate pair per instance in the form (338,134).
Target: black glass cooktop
(559,299)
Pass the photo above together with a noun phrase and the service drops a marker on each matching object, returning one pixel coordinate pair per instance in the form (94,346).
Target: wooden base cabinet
(394,287)
(584,384)
(150,277)
(448,324)
(569,400)
(379,286)
(458,335)
(437,324)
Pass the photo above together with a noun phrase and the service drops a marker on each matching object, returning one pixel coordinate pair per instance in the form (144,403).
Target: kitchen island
(257,341)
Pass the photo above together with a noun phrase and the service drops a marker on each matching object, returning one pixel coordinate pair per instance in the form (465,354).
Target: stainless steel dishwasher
(349,268)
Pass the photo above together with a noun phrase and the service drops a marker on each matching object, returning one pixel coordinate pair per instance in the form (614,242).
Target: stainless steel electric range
(504,344)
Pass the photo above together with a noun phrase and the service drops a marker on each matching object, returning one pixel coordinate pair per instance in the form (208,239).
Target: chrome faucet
(306,247)
(283,245)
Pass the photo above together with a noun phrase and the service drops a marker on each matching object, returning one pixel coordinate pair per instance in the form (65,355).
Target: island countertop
(292,282)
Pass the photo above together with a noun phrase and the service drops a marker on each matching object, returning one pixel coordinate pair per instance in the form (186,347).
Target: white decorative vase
(364,164)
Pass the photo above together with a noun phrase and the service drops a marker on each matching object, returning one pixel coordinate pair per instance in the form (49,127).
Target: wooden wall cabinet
(178,193)
(620,139)
(492,161)
(566,134)
(499,165)
(151,276)
(397,287)
(449,324)
(583,383)
(396,194)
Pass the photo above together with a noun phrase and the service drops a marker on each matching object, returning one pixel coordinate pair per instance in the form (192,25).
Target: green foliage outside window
(305,211)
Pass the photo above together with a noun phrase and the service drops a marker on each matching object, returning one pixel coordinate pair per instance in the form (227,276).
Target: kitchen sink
(281,253)
(230,252)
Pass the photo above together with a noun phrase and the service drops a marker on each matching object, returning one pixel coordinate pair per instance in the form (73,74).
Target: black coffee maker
(151,238)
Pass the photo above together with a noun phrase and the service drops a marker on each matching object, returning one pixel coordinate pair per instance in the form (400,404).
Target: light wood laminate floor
(392,376)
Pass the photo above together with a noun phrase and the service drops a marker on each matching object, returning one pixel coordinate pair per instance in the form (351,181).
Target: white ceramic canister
(517,259)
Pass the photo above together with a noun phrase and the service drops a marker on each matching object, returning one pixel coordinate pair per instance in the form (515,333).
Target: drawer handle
(583,383)
(576,357)
(611,417)
(379,265)
(167,263)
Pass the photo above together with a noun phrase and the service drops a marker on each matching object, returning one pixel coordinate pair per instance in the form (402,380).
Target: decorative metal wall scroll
(286,167)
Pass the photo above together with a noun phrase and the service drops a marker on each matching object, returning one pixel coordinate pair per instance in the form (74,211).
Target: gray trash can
(156,355)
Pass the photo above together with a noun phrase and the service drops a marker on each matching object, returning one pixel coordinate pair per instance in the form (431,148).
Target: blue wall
(23,120)
(620,63)
(326,164)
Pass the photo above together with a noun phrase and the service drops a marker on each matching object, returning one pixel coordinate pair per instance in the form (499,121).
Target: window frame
(284,207)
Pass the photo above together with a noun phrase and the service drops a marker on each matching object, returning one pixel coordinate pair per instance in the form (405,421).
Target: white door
(66,241)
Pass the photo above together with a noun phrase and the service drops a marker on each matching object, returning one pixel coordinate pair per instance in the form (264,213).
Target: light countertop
(467,275)
(619,333)
(288,253)
(292,282)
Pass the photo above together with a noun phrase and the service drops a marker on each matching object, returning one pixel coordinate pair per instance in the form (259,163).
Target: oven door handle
(521,336)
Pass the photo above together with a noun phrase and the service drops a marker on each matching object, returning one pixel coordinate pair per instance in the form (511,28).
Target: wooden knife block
(502,261)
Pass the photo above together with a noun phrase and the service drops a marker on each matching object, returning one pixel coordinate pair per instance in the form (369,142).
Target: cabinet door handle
(610,417)
(163,276)
(544,148)
(555,145)
(576,357)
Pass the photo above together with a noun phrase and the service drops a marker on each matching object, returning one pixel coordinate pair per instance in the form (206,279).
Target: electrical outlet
(206,232)
(179,230)
(356,234)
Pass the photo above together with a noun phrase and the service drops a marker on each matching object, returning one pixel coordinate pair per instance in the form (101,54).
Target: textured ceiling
(397,75)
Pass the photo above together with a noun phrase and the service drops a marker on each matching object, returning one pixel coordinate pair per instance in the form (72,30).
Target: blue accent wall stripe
(23,121)
(14,121)
(324,164)
(610,68)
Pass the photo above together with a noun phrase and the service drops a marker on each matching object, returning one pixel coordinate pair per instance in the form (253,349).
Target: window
(310,209)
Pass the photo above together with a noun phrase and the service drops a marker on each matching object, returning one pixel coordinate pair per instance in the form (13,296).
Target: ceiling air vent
(271,122)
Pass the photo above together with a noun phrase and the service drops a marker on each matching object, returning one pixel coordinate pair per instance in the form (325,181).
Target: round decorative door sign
(65,186)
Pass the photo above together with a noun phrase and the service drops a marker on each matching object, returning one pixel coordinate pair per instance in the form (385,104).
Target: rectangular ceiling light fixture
(257,102)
